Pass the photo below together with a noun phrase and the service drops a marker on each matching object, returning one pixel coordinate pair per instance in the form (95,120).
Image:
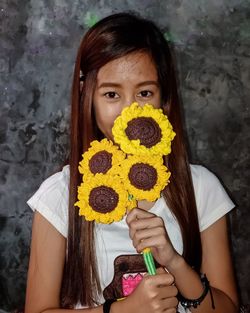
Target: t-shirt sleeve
(212,200)
(51,200)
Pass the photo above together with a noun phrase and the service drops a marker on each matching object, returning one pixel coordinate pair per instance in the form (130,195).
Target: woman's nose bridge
(129,99)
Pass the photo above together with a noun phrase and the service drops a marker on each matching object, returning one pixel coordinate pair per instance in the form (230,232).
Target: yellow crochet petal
(106,165)
(111,182)
(135,146)
(162,178)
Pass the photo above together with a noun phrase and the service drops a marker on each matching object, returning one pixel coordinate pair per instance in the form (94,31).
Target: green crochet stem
(149,261)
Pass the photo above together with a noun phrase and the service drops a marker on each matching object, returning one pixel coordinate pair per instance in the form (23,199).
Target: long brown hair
(111,38)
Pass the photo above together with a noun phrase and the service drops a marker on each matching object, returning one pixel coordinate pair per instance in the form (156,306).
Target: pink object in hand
(130,281)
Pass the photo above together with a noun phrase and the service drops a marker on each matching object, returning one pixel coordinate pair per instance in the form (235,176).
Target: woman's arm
(148,230)
(45,272)
(46,264)
(217,265)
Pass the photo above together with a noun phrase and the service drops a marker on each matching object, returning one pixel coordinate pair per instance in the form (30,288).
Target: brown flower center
(143,176)
(101,162)
(145,129)
(103,199)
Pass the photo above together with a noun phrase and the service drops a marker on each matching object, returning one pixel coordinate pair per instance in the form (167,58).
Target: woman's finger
(138,225)
(143,234)
(143,223)
(167,292)
(152,242)
(159,280)
(137,213)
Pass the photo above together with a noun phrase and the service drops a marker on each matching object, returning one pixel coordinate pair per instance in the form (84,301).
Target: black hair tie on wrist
(107,305)
(187,303)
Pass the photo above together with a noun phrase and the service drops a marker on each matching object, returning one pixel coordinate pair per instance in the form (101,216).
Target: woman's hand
(148,231)
(154,294)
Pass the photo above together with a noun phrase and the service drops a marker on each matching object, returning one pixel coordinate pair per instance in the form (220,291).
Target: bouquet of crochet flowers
(117,175)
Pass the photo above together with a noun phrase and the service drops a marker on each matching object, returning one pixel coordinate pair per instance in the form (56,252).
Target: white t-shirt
(112,240)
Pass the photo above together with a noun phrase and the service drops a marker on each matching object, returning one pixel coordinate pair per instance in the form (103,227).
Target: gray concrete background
(38,46)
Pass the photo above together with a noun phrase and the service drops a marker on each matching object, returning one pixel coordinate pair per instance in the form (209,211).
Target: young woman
(75,263)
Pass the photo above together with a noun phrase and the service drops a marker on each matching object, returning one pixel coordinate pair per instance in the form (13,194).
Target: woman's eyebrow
(148,82)
(109,84)
(144,83)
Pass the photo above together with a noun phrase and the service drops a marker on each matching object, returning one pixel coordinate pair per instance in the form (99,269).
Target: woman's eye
(111,95)
(145,93)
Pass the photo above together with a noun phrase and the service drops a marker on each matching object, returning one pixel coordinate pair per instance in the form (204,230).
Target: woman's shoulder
(58,179)
(212,199)
(51,200)
(200,172)
(57,183)
(203,177)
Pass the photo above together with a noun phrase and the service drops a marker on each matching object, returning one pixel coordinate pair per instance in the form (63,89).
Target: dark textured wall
(39,40)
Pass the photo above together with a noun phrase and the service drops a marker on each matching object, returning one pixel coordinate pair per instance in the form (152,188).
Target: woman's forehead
(134,66)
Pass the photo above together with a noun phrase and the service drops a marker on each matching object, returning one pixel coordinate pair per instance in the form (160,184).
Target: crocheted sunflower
(143,130)
(103,198)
